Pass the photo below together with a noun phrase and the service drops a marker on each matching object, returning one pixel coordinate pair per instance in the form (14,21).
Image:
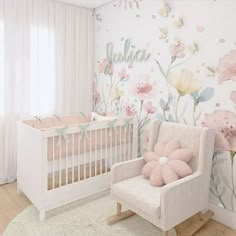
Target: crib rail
(75,154)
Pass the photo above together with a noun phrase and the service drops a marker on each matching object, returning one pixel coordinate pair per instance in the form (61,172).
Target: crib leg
(42,215)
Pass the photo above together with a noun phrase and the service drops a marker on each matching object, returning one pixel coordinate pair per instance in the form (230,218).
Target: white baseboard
(223,216)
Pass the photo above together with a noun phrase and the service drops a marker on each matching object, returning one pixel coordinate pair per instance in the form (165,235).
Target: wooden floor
(11,204)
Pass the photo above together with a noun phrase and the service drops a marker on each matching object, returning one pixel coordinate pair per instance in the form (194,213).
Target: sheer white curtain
(46,66)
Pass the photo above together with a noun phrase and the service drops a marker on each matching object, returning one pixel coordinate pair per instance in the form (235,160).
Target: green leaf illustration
(162,103)
(171,118)
(206,95)
(160,117)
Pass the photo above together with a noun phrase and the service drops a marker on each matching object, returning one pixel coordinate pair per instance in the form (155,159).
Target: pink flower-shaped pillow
(167,163)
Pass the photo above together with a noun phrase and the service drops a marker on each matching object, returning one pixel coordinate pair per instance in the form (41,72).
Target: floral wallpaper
(173,61)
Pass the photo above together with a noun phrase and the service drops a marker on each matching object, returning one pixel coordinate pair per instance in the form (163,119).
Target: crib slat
(106,133)
(101,147)
(129,142)
(95,153)
(115,143)
(60,163)
(66,160)
(120,144)
(125,145)
(85,153)
(90,154)
(73,157)
(135,140)
(53,160)
(78,157)
(132,141)
(110,155)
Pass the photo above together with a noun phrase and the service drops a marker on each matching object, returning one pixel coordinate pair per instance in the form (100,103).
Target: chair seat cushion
(139,195)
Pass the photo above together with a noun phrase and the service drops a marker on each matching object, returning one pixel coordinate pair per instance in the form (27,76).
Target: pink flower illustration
(130,110)
(224,122)
(123,74)
(177,50)
(106,67)
(96,97)
(233,96)
(227,67)
(102,65)
(150,109)
(145,88)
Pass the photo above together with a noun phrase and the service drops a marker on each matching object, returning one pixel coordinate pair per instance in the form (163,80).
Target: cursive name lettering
(128,55)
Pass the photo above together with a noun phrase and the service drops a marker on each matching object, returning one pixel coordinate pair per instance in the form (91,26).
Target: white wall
(208,25)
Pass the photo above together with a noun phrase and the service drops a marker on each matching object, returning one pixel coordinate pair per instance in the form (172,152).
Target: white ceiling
(87,3)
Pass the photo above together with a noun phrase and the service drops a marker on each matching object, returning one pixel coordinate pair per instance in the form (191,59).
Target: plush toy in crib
(167,163)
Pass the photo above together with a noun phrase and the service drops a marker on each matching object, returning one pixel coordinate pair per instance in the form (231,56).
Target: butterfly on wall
(178,23)
(193,48)
(165,10)
(210,71)
(163,33)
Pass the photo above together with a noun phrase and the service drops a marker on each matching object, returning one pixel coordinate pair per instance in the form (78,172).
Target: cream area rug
(85,217)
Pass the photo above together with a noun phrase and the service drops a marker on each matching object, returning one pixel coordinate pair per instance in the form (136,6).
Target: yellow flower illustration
(185,82)
(193,48)
(117,93)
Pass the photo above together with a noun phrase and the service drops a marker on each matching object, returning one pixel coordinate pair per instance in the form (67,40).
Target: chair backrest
(188,137)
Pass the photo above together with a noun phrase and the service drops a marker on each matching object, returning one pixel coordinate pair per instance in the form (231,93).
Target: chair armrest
(126,170)
(183,198)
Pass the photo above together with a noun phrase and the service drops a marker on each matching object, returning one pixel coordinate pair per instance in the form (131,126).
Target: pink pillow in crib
(167,163)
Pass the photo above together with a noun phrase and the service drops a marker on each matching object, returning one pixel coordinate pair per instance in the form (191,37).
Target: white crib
(56,166)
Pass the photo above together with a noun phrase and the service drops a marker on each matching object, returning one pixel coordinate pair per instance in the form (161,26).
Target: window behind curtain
(42,60)
(46,66)
(42,71)
(53,71)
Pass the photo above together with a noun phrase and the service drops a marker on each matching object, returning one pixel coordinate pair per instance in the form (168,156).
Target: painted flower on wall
(106,67)
(96,94)
(177,50)
(233,96)
(168,103)
(185,82)
(123,75)
(129,110)
(96,97)
(145,88)
(227,67)
(149,108)
(117,93)
(224,122)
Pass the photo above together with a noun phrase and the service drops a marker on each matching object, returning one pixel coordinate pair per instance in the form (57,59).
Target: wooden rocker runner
(195,223)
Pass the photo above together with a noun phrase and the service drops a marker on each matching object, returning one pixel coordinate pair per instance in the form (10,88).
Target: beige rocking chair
(167,206)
